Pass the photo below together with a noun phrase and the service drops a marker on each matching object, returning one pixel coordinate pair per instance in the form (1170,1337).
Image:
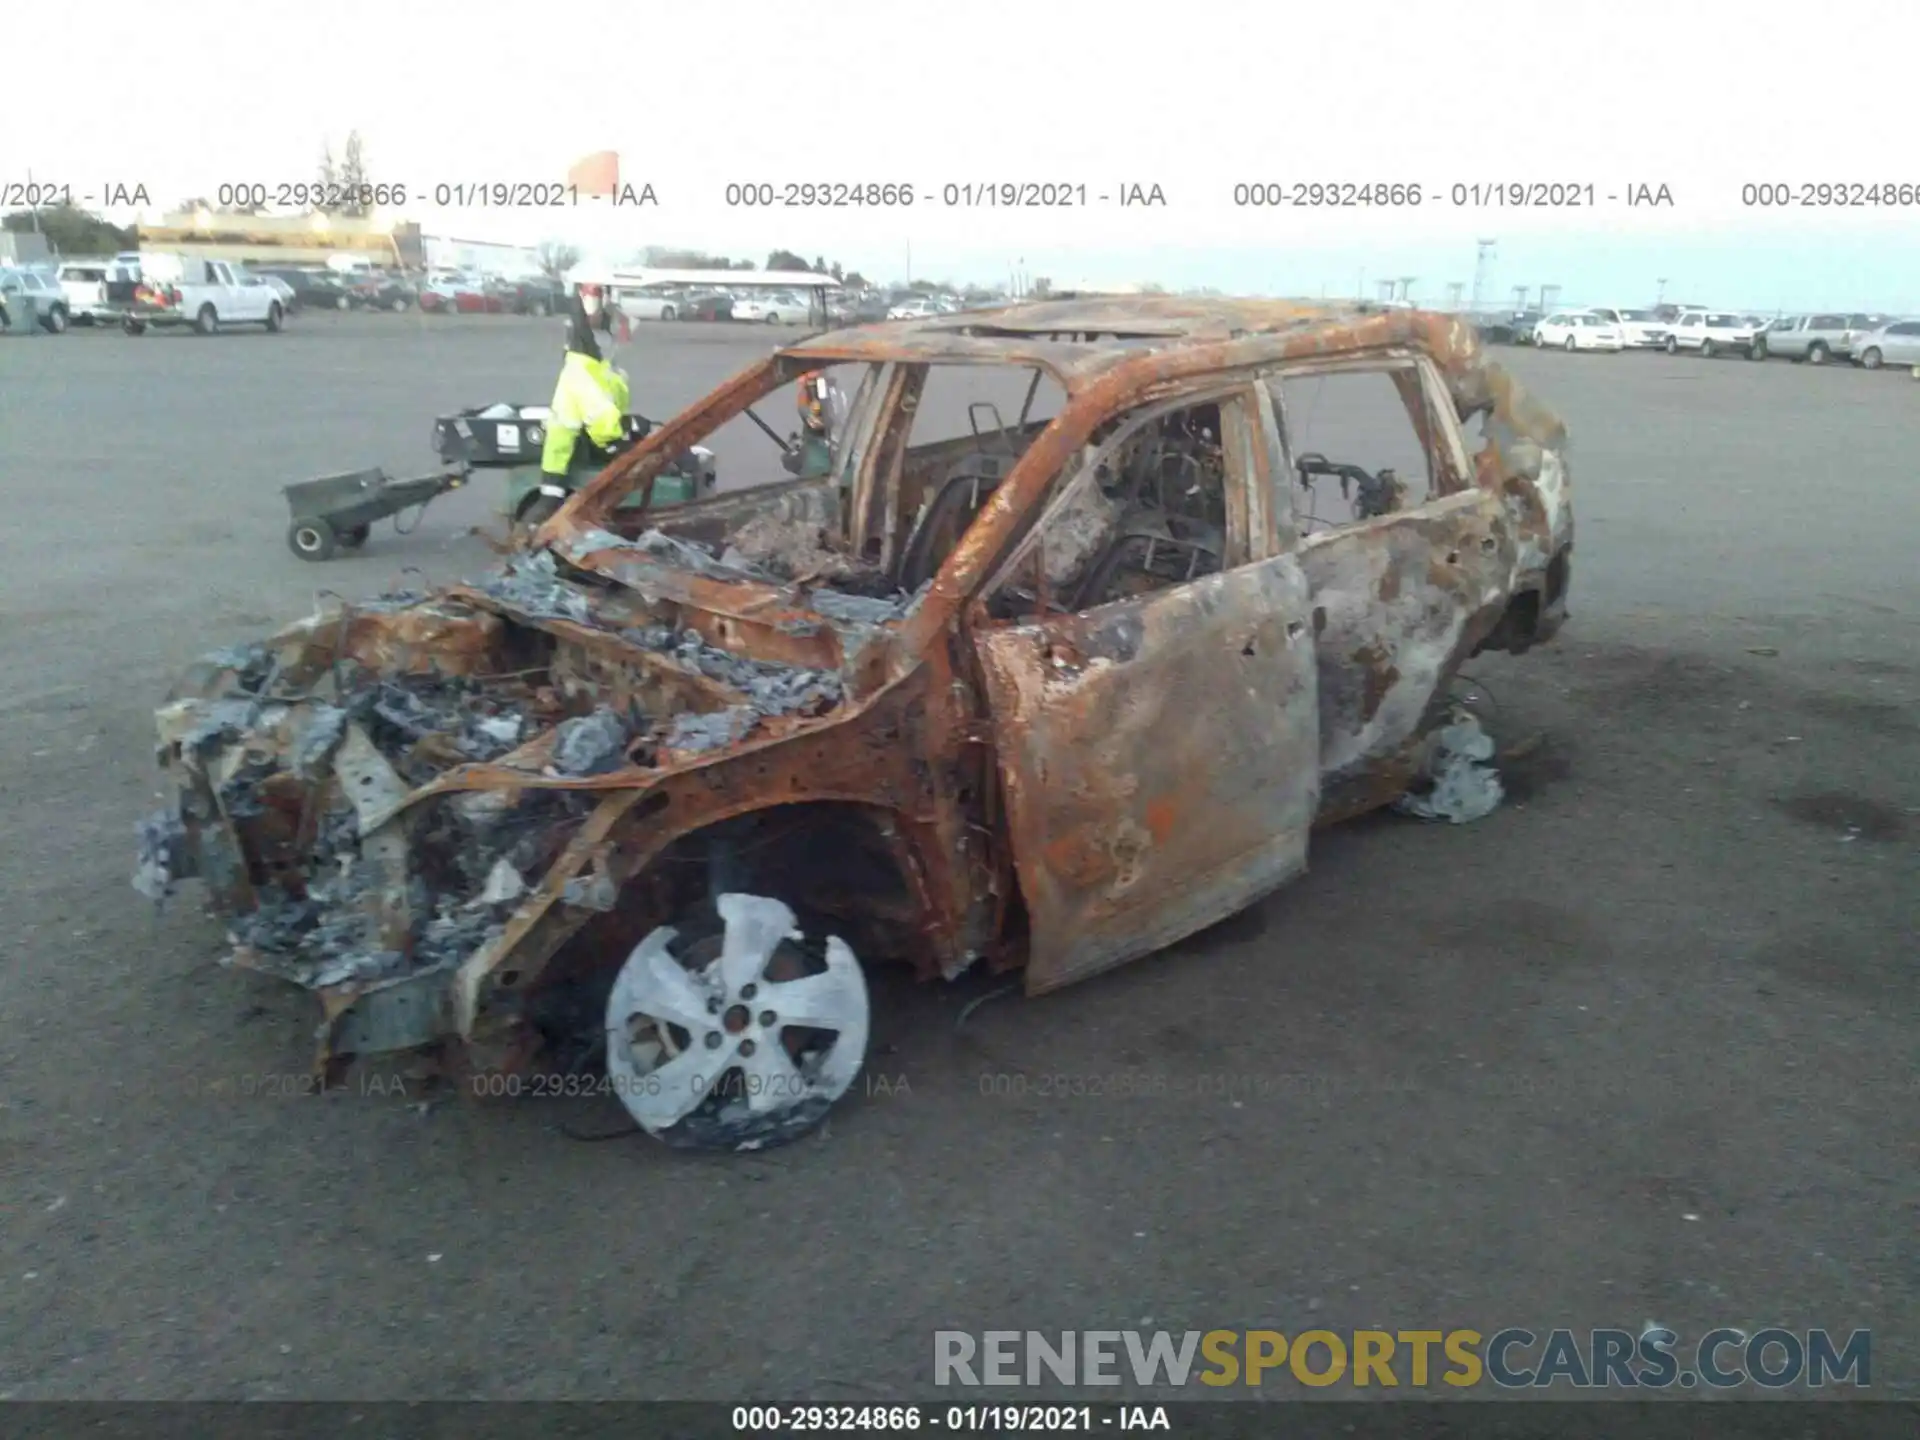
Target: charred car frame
(1047,697)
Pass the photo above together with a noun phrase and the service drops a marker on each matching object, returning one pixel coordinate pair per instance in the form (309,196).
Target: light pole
(1454,291)
(1483,252)
(1519,298)
(1548,294)
(1406,286)
(1660,295)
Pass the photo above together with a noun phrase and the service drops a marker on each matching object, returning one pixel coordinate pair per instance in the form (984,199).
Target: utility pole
(1386,289)
(1660,295)
(1483,252)
(1454,291)
(1519,298)
(1406,286)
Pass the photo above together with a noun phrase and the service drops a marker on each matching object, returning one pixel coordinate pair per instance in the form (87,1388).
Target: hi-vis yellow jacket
(592,396)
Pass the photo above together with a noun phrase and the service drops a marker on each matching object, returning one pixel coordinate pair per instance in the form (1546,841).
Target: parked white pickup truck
(98,290)
(206,294)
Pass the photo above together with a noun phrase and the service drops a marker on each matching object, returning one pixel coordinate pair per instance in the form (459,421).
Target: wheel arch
(844,860)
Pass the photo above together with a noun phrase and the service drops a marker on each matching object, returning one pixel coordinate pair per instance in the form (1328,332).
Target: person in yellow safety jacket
(590,398)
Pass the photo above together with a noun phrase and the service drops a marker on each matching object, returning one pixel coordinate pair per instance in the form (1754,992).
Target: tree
(353,175)
(834,271)
(820,265)
(1041,286)
(786,260)
(329,175)
(555,258)
(854,280)
(72,231)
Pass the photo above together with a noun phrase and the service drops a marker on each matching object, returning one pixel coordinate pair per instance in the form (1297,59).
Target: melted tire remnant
(1460,783)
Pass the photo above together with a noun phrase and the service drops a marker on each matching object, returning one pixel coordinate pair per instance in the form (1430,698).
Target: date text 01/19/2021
(357,199)
(959,1419)
(1475,195)
(542,1086)
(960,195)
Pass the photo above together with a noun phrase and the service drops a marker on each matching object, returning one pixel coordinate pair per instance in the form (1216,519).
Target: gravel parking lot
(1639,1046)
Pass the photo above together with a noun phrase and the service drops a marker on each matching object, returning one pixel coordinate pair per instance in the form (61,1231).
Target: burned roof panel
(1078,340)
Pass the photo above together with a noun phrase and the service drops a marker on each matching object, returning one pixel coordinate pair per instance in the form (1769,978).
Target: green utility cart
(511,437)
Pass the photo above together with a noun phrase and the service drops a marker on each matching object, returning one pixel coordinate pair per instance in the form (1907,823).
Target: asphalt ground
(1640,1046)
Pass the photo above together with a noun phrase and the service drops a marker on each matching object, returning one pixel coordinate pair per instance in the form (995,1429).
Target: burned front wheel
(737,1031)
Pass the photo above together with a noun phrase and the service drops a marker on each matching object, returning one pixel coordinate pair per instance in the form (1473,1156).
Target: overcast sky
(1703,98)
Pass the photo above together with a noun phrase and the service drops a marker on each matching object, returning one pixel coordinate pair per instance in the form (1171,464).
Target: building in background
(486,257)
(313,239)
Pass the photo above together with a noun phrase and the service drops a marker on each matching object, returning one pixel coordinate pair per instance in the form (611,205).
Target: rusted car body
(1055,726)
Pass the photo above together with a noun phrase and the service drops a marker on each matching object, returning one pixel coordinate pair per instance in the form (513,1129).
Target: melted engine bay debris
(302,755)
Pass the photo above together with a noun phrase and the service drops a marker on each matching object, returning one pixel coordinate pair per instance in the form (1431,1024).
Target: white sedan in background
(780,309)
(1640,329)
(1578,330)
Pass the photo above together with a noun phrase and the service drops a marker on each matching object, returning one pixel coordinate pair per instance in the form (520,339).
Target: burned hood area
(371,795)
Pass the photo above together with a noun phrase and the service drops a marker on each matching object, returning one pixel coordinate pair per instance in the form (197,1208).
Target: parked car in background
(1578,330)
(463,297)
(273,285)
(706,305)
(1897,343)
(537,295)
(1817,338)
(1639,329)
(97,291)
(289,297)
(314,289)
(1523,323)
(652,302)
(857,309)
(781,308)
(918,308)
(18,286)
(380,290)
(1494,329)
(1715,332)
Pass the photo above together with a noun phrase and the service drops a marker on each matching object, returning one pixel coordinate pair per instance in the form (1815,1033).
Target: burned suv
(1047,691)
